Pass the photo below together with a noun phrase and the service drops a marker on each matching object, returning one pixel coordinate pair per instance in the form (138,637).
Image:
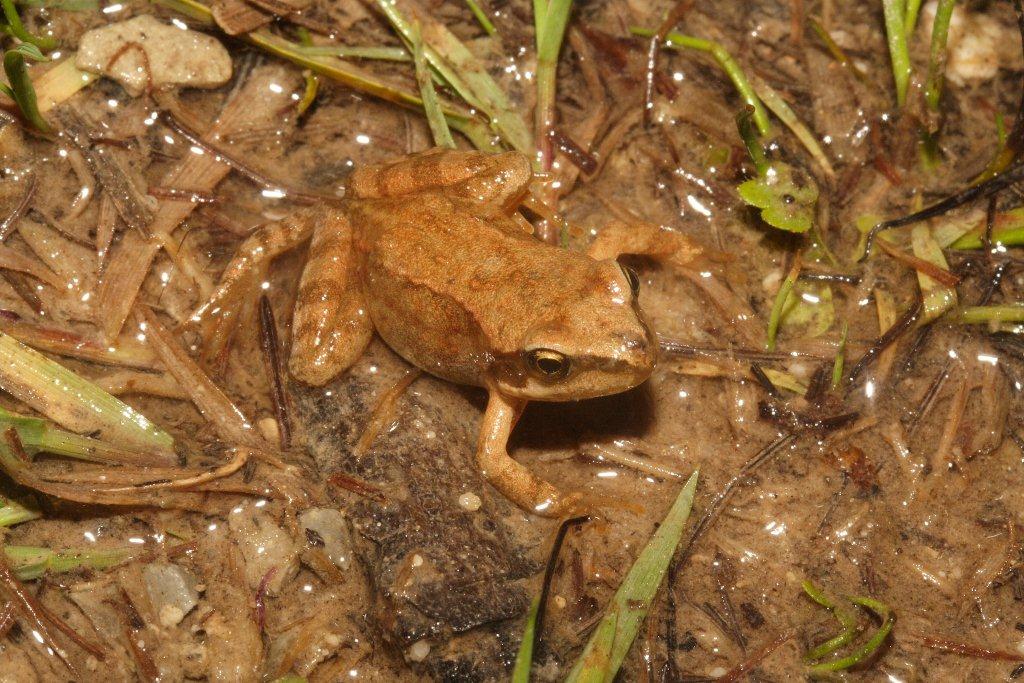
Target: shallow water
(902,485)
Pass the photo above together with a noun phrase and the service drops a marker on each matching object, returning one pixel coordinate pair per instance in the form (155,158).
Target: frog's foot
(513,480)
(640,238)
(331,327)
(218,317)
(493,180)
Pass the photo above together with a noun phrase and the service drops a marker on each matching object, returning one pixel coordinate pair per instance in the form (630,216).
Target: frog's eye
(548,363)
(632,278)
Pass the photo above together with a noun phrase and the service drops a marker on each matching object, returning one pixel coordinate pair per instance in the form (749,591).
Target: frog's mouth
(589,376)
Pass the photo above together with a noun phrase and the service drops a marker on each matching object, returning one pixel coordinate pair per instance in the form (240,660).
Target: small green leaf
(786,199)
(18,30)
(808,311)
(21,90)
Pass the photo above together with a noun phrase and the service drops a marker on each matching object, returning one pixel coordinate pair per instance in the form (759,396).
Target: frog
(432,252)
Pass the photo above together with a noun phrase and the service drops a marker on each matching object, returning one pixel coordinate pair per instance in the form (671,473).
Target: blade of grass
(460,69)
(910,17)
(848,622)
(837,364)
(775,318)
(21,89)
(607,648)
(14,512)
(31,562)
(983,315)
(937,55)
(17,29)
(895,31)
(431,105)
(727,63)
(312,80)
(482,17)
(383,53)
(72,401)
(778,106)
(866,650)
(524,658)
(37,436)
(938,297)
(337,70)
(550,19)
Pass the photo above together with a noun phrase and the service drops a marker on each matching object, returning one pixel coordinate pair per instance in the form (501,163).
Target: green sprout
(728,64)
(775,318)
(937,54)
(481,17)
(837,364)
(846,636)
(30,562)
(785,196)
(549,18)
(983,315)
(610,643)
(15,512)
(18,30)
(20,89)
(431,105)
(524,658)
(312,87)
(896,35)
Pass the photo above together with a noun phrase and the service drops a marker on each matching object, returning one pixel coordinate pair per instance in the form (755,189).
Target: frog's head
(596,345)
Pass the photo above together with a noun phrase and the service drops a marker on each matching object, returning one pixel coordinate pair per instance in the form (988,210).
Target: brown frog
(431,252)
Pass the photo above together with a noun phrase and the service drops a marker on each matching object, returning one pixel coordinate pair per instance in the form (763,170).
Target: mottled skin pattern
(430,252)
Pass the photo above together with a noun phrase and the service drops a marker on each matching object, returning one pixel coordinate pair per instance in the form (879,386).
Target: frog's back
(451,289)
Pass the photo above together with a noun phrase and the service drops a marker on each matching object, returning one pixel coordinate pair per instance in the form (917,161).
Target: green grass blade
(910,16)
(19,31)
(14,512)
(848,622)
(30,562)
(837,364)
(937,54)
(21,89)
(895,31)
(459,68)
(865,651)
(607,648)
(983,315)
(72,401)
(481,17)
(386,54)
(551,17)
(775,318)
(778,106)
(938,297)
(431,105)
(728,64)
(342,72)
(524,658)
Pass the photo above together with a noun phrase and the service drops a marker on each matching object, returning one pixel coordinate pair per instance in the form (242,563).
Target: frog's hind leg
(239,285)
(511,478)
(619,238)
(494,180)
(330,327)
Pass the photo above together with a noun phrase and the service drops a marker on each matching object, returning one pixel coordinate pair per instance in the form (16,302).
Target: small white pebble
(718,672)
(417,560)
(431,434)
(469,501)
(1020,647)
(170,615)
(269,430)
(419,651)
(332,640)
(559,602)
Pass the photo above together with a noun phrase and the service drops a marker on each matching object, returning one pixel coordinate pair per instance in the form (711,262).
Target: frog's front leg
(331,326)
(512,479)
